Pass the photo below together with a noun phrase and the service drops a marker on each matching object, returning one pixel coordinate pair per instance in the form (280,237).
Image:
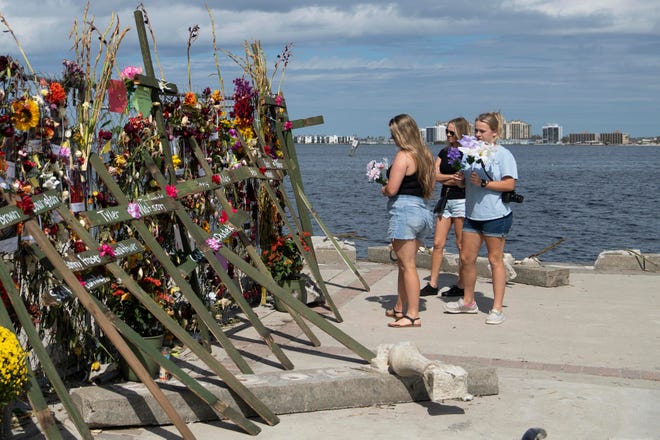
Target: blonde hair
(494,120)
(461,125)
(407,136)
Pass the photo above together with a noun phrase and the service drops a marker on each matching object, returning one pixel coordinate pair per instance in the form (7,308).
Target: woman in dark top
(451,206)
(410,183)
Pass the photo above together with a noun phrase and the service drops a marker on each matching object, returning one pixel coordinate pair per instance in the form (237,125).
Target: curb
(131,404)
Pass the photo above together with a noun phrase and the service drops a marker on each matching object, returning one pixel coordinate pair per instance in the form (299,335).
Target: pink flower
(171,191)
(288,125)
(130,72)
(134,210)
(65,152)
(106,249)
(214,243)
(278,100)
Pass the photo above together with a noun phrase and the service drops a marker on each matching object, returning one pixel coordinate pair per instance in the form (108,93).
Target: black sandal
(393,313)
(412,322)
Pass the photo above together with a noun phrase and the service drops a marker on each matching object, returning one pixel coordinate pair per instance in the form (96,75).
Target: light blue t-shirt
(482,203)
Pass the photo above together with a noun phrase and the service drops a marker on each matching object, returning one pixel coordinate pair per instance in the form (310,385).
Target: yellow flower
(216,96)
(26,114)
(120,161)
(13,368)
(176,161)
(96,366)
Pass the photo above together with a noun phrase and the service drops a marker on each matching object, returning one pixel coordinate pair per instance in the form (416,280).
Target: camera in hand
(512,196)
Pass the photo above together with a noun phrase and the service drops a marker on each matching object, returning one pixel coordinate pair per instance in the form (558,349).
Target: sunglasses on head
(450,133)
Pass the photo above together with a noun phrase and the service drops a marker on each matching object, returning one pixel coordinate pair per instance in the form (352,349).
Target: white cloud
(628,16)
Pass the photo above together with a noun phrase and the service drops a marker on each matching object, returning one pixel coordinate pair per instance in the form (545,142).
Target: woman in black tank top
(410,183)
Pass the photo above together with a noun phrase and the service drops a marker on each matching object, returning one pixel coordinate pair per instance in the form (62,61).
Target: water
(597,198)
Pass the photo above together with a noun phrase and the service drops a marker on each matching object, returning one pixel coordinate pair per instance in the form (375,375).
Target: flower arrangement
(50,126)
(454,157)
(476,151)
(132,312)
(13,369)
(376,171)
(283,259)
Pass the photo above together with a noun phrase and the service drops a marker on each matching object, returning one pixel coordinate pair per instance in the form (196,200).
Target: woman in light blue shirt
(487,218)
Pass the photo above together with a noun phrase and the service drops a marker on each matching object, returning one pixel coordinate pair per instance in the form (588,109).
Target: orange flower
(190,100)
(56,94)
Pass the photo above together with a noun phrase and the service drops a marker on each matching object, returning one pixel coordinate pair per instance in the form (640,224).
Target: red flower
(171,191)
(262,170)
(26,204)
(215,179)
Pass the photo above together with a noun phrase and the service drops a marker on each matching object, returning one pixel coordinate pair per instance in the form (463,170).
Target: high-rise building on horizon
(552,134)
(517,130)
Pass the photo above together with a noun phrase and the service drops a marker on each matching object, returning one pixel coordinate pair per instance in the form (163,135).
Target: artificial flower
(376,171)
(454,157)
(190,99)
(26,204)
(477,151)
(214,243)
(134,210)
(56,94)
(171,191)
(26,114)
(106,249)
(130,72)
(216,96)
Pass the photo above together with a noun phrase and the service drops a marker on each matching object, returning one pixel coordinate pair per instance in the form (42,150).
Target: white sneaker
(460,307)
(495,317)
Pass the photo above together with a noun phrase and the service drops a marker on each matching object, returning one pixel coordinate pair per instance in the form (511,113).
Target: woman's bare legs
(471,243)
(495,246)
(408,279)
(458,231)
(442,227)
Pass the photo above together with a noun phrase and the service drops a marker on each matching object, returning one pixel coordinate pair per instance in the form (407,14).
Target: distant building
(583,138)
(552,134)
(431,134)
(615,138)
(517,130)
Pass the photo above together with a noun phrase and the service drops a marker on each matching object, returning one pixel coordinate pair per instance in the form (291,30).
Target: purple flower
(454,157)
(469,141)
(134,210)
(214,243)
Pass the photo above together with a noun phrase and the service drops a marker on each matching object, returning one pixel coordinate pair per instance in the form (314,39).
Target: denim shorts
(454,208)
(409,217)
(498,227)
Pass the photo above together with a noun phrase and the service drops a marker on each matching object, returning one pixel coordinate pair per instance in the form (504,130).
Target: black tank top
(451,192)
(410,185)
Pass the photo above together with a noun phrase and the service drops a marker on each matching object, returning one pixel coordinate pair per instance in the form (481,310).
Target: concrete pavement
(580,360)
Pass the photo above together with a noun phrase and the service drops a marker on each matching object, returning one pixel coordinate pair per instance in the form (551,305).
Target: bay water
(595,198)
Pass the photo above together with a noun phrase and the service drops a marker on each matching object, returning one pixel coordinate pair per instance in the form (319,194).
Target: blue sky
(586,65)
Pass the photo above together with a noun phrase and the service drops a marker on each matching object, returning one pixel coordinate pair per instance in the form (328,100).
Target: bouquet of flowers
(454,157)
(376,171)
(284,259)
(477,151)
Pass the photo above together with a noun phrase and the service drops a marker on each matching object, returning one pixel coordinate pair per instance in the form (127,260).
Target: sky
(589,66)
